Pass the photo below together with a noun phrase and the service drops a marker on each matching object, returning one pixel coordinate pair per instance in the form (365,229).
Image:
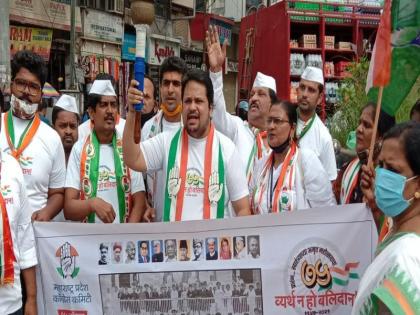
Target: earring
(417,195)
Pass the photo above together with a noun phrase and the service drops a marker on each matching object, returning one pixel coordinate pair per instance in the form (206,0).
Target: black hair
(56,110)
(290,110)
(31,61)
(273,96)
(93,99)
(201,77)
(105,76)
(154,86)
(415,109)
(409,135)
(172,63)
(320,88)
(385,122)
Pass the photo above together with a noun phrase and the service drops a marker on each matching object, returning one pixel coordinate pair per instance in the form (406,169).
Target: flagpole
(375,127)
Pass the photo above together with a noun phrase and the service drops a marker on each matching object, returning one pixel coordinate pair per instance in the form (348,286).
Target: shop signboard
(29,38)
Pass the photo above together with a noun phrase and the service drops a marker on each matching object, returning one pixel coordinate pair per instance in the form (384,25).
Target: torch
(142,14)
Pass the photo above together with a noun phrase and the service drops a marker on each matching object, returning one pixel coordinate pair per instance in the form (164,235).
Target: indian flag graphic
(341,276)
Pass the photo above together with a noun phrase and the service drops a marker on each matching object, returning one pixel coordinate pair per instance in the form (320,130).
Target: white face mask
(29,109)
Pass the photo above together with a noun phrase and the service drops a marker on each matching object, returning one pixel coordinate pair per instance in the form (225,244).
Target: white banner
(100,26)
(304,262)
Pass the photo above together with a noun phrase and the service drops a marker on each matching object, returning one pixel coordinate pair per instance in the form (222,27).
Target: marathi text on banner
(293,263)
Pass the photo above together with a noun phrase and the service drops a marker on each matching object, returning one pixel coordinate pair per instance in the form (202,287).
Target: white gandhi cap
(67,103)
(262,80)
(102,87)
(313,74)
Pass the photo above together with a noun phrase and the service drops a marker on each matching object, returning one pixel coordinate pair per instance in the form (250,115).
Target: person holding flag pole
(391,284)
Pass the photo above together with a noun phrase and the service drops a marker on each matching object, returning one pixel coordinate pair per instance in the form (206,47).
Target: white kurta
(19,214)
(393,277)
(155,180)
(85,129)
(107,179)
(312,186)
(156,154)
(318,139)
(231,126)
(42,162)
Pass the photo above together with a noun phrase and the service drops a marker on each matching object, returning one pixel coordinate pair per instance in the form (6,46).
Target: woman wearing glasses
(289,178)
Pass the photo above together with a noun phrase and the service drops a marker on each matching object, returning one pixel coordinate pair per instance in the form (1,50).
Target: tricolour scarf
(214,177)
(26,137)
(89,171)
(350,180)
(277,200)
(7,255)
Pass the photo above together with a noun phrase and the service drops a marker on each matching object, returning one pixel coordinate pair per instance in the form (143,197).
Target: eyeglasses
(143,247)
(21,84)
(276,121)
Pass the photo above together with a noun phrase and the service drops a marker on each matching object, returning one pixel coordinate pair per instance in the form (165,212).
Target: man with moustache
(99,186)
(196,151)
(30,141)
(86,127)
(65,119)
(249,137)
(168,118)
(310,130)
(150,107)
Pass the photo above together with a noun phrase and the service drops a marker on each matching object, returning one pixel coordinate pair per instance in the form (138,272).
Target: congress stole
(7,255)
(279,197)
(89,172)
(214,177)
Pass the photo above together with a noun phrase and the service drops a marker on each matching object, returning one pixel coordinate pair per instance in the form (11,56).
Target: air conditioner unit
(116,6)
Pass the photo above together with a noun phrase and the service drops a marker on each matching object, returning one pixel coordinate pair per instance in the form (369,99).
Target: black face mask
(146,117)
(280,148)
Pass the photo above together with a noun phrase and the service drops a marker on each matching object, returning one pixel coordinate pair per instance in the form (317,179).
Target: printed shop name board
(28,38)
(103,26)
(161,48)
(242,265)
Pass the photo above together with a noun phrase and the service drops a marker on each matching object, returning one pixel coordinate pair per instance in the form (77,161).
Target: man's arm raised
(224,121)
(133,156)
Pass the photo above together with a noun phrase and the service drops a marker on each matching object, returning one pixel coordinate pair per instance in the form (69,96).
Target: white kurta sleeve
(236,181)
(58,172)
(328,158)
(137,182)
(318,188)
(154,151)
(73,167)
(25,233)
(224,122)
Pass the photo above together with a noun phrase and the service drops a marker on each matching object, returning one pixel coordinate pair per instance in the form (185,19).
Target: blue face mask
(389,189)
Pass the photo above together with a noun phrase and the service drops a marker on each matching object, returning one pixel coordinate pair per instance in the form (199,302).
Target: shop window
(163,8)
(101,5)
(116,6)
(86,3)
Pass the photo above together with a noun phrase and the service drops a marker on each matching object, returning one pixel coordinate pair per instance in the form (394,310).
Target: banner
(28,38)
(303,262)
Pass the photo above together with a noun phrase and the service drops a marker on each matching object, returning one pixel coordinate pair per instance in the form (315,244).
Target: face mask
(28,109)
(389,188)
(280,148)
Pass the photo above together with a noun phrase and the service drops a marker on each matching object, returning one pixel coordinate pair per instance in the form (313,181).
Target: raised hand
(174,182)
(216,53)
(215,188)
(66,260)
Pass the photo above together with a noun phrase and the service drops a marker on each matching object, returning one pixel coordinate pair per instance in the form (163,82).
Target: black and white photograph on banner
(224,292)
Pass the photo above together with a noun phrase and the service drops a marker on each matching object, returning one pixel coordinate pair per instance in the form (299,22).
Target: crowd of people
(197,161)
